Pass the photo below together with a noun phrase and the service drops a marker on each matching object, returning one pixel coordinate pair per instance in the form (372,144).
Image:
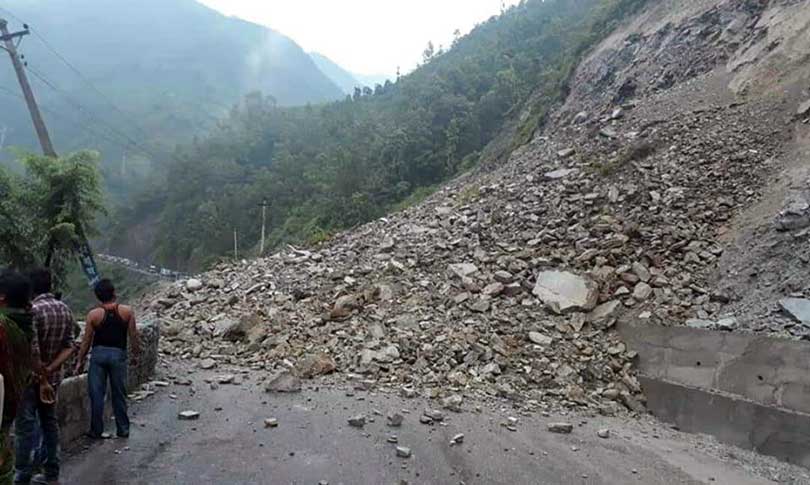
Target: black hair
(105,291)
(15,288)
(40,281)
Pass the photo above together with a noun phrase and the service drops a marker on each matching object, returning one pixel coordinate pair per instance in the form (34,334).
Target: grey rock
(561,428)
(188,415)
(462,270)
(642,291)
(283,382)
(193,285)
(540,339)
(564,292)
(797,308)
(566,152)
(603,433)
(403,452)
(804,109)
(560,174)
(395,420)
(357,421)
(453,403)
(208,364)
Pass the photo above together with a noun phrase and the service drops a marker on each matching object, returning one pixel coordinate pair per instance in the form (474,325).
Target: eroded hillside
(654,192)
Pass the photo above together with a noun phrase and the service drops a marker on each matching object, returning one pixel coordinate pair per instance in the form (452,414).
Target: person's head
(15,290)
(105,291)
(40,281)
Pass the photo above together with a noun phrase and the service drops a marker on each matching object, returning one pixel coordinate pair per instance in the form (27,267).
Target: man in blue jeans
(109,328)
(53,323)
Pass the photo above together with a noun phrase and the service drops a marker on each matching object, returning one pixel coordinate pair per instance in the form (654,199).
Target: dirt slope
(656,181)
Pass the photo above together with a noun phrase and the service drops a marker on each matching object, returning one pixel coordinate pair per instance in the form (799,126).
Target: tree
(49,209)
(428,53)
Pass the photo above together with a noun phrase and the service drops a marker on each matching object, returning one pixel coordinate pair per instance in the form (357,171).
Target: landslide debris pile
(509,283)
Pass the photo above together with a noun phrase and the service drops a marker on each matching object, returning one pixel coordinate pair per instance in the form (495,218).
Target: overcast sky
(365,36)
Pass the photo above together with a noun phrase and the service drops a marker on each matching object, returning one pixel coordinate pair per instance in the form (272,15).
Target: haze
(366,36)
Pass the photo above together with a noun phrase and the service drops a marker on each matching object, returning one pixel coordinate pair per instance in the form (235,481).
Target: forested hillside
(332,166)
(160,72)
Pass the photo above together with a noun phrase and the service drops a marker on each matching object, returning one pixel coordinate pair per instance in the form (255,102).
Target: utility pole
(82,247)
(36,116)
(264,206)
(235,245)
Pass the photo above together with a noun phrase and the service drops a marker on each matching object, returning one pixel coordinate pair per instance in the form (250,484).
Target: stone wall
(747,390)
(74,403)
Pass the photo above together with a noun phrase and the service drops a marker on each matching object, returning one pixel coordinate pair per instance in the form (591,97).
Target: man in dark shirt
(53,324)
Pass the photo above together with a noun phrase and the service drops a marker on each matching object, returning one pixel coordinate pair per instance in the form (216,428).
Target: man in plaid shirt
(53,324)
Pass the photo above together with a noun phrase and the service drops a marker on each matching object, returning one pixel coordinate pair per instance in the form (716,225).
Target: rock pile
(508,283)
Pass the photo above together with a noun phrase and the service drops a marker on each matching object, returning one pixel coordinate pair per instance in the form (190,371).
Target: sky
(368,37)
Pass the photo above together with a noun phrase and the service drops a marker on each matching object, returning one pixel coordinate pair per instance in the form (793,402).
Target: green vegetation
(333,166)
(171,68)
(44,212)
(130,286)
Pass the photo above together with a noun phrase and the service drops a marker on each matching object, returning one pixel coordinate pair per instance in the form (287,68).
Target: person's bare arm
(133,333)
(89,330)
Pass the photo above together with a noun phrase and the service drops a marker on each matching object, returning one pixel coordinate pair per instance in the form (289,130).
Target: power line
(84,78)
(122,137)
(86,128)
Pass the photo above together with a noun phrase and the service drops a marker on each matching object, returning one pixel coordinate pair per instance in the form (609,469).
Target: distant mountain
(335,72)
(173,67)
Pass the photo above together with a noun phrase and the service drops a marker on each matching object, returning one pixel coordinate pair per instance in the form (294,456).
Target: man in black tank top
(108,330)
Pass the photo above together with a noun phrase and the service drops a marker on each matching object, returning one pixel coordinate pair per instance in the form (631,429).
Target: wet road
(314,444)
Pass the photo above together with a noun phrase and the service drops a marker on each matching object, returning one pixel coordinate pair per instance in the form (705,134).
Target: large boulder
(315,365)
(564,292)
(798,308)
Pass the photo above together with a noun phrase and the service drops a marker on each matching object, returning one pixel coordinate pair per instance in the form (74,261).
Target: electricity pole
(82,246)
(264,206)
(36,116)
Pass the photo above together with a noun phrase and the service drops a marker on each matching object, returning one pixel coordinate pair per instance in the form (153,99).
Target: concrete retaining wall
(746,390)
(74,403)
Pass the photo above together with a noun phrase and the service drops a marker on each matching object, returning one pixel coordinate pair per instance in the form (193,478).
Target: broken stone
(564,292)
(284,381)
(462,270)
(603,433)
(559,174)
(797,308)
(316,365)
(434,414)
(561,428)
(566,152)
(540,339)
(457,439)
(453,403)
(395,420)
(271,423)
(208,364)
(403,452)
(642,291)
(357,421)
(193,285)
(189,415)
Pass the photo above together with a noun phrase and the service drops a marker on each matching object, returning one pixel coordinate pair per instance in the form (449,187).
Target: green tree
(47,211)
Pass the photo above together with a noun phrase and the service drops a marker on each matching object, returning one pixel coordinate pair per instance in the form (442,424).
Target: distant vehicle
(153,269)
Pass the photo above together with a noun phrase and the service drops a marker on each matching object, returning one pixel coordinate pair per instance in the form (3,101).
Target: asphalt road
(314,444)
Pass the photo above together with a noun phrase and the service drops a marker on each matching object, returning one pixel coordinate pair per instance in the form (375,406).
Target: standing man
(108,329)
(18,354)
(53,325)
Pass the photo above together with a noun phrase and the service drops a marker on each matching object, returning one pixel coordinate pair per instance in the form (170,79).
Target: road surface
(313,444)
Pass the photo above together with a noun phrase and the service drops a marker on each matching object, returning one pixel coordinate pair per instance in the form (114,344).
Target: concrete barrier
(73,409)
(747,390)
